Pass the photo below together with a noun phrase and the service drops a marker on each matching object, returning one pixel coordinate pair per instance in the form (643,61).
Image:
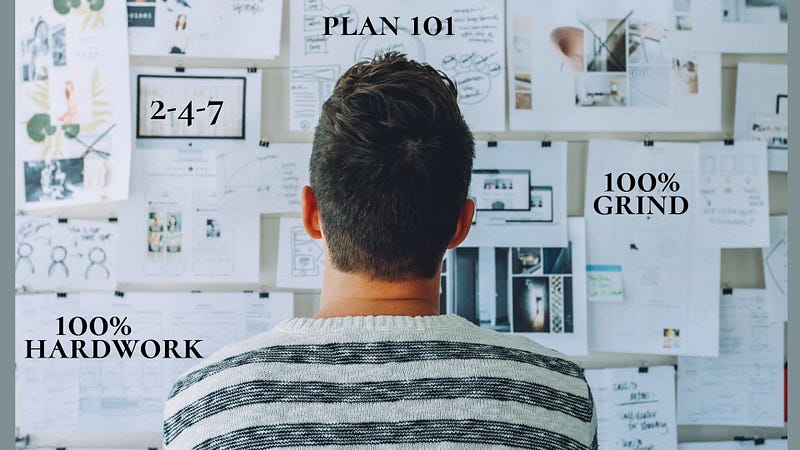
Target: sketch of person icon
(97,260)
(58,255)
(24,251)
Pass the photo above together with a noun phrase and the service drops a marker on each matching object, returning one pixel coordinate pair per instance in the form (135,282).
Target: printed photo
(601,89)
(212,228)
(36,58)
(531,304)
(605,43)
(649,86)
(180,35)
(491,312)
(558,261)
(755,11)
(59,43)
(672,338)
(173,235)
(155,242)
(645,42)
(684,76)
(53,180)
(526,261)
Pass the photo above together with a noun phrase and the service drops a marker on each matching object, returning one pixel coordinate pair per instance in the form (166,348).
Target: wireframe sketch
(191,28)
(76,254)
(473,55)
(307,255)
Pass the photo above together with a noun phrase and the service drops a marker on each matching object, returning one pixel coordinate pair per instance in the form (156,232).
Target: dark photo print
(558,261)
(53,180)
(531,304)
(526,260)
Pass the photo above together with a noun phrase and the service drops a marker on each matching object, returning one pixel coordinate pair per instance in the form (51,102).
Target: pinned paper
(604,283)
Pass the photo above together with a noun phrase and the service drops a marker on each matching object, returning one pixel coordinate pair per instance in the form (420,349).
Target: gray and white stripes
(381,382)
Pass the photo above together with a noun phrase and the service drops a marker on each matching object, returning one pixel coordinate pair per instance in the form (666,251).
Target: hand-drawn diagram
(263,179)
(473,56)
(301,259)
(76,254)
(307,254)
(776,274)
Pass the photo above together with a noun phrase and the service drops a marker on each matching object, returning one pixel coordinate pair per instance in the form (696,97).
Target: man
(378,367)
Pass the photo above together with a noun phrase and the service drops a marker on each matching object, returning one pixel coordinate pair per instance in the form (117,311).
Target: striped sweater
(387,382)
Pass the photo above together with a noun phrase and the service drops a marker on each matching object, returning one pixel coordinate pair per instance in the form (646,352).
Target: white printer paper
(670,275)
(301,259)
(776,268)
(635,409)
(744,385)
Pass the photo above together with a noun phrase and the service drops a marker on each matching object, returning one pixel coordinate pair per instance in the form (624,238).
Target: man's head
(390,170)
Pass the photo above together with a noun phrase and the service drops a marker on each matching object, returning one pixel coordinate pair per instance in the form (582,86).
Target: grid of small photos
(516,289)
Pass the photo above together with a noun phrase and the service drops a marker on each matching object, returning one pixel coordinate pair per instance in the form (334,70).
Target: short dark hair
(390,168)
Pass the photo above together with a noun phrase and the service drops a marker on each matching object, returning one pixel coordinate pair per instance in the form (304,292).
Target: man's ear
(463,224)
(308,206)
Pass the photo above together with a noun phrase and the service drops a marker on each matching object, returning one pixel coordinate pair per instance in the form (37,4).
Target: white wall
(741,268)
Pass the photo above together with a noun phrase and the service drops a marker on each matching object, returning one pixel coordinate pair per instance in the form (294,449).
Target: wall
(741,268)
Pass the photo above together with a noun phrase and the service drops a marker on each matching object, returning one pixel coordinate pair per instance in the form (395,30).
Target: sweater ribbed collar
(371,323)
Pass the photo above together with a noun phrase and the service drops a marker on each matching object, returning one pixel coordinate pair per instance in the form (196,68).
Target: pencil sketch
(307,254)
(58,254)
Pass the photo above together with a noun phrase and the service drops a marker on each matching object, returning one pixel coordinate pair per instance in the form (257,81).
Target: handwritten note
(635,408)
(604,283)
(734,194)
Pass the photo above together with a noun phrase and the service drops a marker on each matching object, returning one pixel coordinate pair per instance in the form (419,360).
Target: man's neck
(348,294)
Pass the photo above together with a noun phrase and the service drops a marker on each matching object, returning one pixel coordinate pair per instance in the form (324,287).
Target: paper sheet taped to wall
(473,56)
(127,394)
(670,275)
(582,65)
(520,191)
(65,255)
(222,29)
(73,128)
(536,290)
(173,225)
